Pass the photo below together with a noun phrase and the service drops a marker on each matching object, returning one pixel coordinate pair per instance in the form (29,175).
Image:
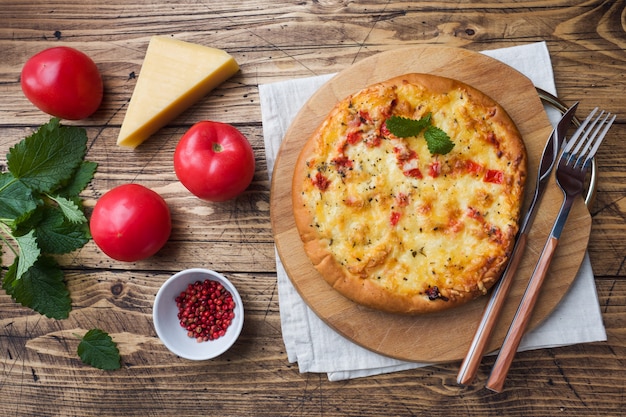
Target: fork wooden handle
(489,320)
(522,317)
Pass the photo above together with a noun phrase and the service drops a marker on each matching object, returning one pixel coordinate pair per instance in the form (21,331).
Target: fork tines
(597,131)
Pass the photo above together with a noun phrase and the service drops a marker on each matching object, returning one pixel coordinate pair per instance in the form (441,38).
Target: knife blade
(476,351)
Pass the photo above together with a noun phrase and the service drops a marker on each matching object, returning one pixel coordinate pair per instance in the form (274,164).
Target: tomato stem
(217,147)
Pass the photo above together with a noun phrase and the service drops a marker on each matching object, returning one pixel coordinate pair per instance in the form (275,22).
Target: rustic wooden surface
(277,40)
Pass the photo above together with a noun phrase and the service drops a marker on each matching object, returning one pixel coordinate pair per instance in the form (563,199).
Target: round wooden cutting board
(443,336)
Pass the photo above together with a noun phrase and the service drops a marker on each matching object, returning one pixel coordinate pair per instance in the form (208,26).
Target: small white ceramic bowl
(167,324)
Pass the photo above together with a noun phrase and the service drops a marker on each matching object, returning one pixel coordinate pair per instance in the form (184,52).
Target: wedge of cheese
(174,75)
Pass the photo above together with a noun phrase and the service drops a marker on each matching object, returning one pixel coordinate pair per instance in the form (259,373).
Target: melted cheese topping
(407,220)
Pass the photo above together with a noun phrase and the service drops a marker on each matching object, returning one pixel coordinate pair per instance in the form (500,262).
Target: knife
(470,364)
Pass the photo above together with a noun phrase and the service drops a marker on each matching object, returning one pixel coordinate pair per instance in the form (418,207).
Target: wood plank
(275,40)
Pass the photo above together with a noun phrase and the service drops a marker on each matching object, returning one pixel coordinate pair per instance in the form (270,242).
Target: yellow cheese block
(174,75)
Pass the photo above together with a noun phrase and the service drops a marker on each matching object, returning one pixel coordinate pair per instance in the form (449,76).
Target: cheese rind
(175,74)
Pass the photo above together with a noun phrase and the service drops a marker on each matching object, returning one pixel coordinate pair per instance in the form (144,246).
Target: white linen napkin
(314,345)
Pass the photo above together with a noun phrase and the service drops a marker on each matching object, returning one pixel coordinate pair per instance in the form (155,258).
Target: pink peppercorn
(205,310)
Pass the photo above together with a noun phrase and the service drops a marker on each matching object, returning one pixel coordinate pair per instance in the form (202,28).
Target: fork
(570,177)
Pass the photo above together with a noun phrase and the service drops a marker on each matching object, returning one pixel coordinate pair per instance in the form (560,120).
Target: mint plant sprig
(41,214)
(437,140)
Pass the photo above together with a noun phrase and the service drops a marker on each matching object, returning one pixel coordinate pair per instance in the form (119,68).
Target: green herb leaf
(57,235)
(70,209)
(16,200)
(99,350)
(49,157)
(41,212)
(79,181)
(438,141)
(41,288)
(29,253)
(403,127)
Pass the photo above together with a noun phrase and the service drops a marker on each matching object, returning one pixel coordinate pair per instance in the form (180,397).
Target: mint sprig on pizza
(437,140)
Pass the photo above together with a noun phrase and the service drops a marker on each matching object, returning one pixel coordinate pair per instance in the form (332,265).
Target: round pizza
(408,195)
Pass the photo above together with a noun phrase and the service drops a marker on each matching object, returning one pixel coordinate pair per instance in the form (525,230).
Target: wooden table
(273,40)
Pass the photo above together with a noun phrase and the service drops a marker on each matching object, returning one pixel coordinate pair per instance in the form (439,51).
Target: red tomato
(130,223)
(214,161)
(63,82)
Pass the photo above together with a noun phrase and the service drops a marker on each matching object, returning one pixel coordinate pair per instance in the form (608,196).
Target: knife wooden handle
(489,320)
(522,317)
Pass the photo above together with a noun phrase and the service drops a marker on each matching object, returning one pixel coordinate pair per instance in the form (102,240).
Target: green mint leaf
(41,288)
(57,235)
(16,200)
(403,127)
(79,181)
(99,350)
(28,223)
(49,157)
(41,212)
(29,253)
(438,141)
(70,209)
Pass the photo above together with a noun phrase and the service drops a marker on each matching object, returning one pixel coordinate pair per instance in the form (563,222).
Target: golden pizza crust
(449,236)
